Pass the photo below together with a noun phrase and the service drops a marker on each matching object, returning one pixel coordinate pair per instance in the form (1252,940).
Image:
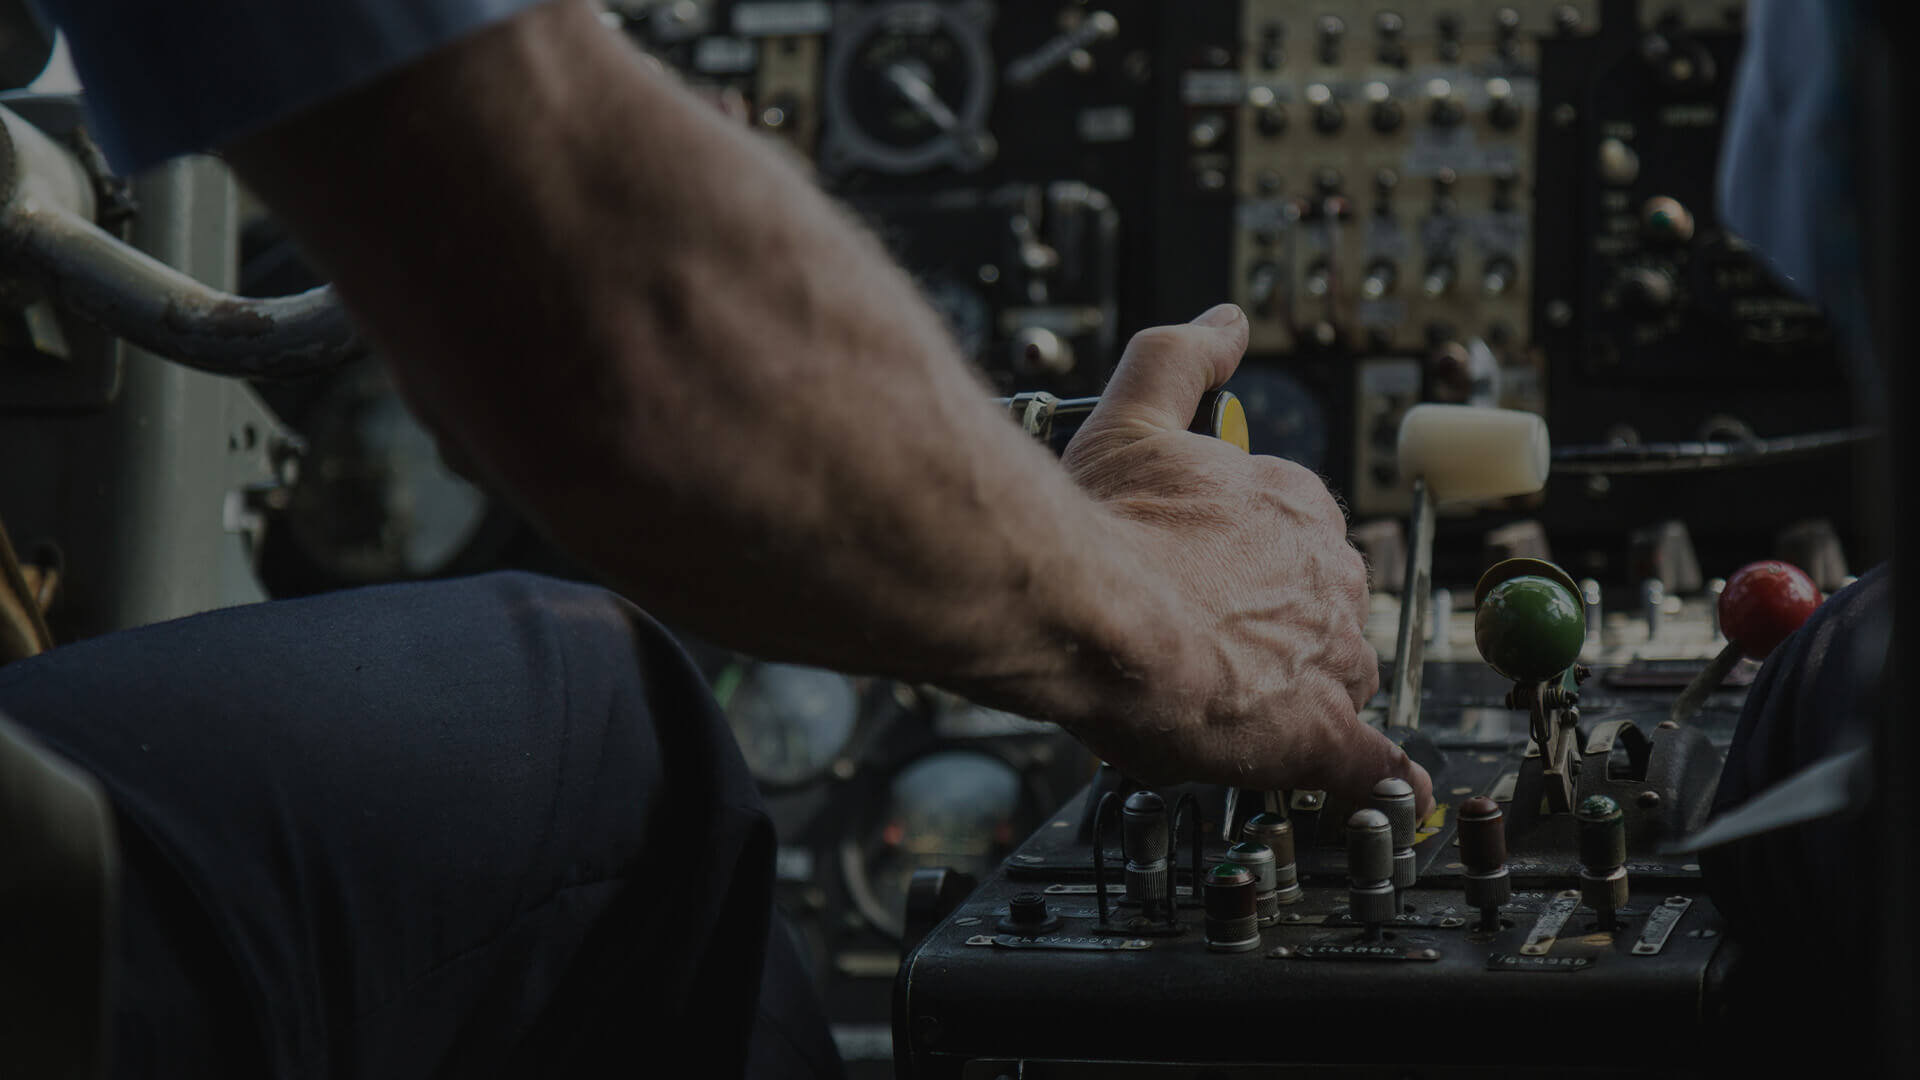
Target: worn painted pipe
(47,237)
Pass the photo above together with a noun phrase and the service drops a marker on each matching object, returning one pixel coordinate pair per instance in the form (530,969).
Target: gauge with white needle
(908,89)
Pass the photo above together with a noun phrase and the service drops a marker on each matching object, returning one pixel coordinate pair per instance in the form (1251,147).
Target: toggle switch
(1370,892)
(1394,798)
(1483,850)
(1231,921)
(1379,281)
(1603,858)
(1258,859)
(1144,835)
(1276,832)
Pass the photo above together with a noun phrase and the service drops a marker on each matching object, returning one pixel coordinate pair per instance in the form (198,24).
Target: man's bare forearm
(646,327)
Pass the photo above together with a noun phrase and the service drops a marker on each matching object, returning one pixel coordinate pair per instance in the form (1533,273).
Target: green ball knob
(1529,628)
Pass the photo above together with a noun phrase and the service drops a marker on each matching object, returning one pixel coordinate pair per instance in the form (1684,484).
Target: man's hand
(1274,665)
(643,326)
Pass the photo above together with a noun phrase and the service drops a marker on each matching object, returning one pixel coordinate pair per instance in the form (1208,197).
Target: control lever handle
(1053,420)
(1760,605)
(1452,453)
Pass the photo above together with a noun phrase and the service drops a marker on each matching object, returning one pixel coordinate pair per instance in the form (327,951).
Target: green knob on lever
(1528,620)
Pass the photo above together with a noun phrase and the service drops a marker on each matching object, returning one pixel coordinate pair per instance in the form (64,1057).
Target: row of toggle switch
(1259,876)
(1390,36)
(1386,113)
(1240,895)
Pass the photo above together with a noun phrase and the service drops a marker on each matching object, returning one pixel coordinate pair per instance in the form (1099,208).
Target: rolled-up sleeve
(163,79)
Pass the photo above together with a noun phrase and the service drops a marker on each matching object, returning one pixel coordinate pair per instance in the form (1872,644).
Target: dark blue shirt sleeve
(1787,183)
(164,79)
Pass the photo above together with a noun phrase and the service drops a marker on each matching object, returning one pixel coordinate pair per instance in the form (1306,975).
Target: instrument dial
(791,722)
(961,809)
(908,89)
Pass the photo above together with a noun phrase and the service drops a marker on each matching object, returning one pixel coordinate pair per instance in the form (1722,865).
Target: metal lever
(48,238)
(1220,415)
(1416,592)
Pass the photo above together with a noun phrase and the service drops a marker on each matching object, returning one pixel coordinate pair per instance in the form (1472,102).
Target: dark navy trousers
(478,828)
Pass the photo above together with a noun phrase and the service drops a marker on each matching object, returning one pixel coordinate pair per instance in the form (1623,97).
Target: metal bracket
(1553,719)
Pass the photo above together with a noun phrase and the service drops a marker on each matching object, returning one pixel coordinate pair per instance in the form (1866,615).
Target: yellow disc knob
(1222,416)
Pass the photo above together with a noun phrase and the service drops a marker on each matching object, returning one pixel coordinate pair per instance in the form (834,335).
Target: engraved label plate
(1547,930)
(1422,954)
(1660,924)
(1513,962)
(1080,944)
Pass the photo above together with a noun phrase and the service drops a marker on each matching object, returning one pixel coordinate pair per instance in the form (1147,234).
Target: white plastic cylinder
(1469,454)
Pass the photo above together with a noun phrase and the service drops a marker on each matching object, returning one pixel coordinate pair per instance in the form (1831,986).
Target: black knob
(1646,290)
(1328,118)
(1448,25)
(1390,49)
(1270,52)
(1498,276)
(1272,121)
(1503,184)
(1027,909)
(1386,116)
(1332,28)
(1263,279)
(1379,281)
(1503,114)
(1506,30)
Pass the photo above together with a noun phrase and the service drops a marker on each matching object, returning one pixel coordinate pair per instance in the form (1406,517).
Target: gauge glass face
(1284,418)
(956,808)
(375,502)
(908,88)
(908,80)
(791,722)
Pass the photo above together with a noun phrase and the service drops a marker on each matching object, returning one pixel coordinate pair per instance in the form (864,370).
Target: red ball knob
(1763,603)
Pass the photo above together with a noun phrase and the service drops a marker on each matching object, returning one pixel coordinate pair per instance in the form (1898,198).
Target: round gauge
(791,722)
(1284,418)
(961,809)
(908,89)
(375,502)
